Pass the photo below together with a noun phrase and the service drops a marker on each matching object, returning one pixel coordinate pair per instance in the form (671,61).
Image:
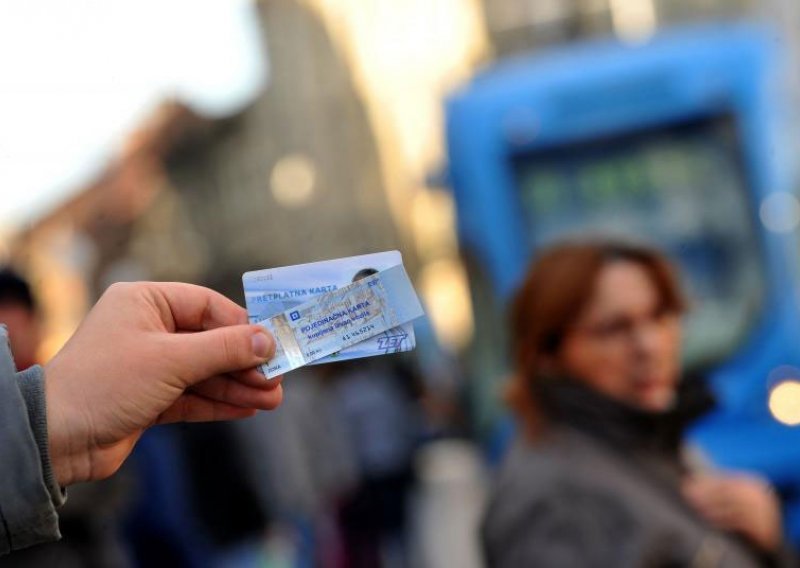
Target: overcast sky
(76,76)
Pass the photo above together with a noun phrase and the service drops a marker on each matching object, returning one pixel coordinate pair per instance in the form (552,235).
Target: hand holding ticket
(366,314)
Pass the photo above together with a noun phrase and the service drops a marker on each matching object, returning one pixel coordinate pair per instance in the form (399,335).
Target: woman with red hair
(596,477)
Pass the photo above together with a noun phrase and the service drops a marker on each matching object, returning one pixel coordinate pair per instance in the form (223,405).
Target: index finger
(196,308)
(254,378)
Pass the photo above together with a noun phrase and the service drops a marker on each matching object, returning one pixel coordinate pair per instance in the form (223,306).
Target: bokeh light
(780,212)
(293,181)
(784,402)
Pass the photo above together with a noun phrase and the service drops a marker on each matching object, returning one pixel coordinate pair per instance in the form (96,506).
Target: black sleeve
(27,507)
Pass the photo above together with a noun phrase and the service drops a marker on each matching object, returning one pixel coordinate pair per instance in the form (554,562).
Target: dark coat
(29,494)
(601,488)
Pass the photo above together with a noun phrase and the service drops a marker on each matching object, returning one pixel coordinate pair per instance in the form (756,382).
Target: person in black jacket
(596,477)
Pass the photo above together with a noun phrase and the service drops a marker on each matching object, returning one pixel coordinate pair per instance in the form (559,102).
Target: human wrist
(69,457)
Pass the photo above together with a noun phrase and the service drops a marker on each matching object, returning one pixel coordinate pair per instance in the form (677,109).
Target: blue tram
(677,142)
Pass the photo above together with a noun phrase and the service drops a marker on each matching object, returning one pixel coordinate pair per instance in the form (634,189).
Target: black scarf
(567,401)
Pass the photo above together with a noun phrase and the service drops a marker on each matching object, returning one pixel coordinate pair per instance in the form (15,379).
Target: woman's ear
(549,365)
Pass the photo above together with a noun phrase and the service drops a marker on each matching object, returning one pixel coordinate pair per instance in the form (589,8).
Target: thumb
(204,354)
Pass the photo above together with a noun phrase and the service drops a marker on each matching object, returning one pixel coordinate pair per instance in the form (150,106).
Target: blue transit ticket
(367,307)
(272,291)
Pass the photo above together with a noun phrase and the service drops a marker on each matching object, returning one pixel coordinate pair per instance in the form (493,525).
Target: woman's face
(624,344)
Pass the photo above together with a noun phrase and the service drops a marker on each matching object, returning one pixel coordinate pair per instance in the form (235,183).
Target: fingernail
(261,345)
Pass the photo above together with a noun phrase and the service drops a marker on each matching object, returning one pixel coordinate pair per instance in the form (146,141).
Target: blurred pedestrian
(596,477)
(147,353)
(19,312)
(374,401)
(303,474)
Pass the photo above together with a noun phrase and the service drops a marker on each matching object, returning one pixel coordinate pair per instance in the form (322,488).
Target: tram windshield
(683,189)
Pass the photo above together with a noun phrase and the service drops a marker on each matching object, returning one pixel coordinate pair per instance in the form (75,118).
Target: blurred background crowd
(195,141)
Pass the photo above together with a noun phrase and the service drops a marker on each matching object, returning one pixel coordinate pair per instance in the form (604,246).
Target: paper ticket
(271,291)
(340,318)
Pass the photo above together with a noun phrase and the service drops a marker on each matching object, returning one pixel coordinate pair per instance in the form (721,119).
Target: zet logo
(392,341)
(295,315)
